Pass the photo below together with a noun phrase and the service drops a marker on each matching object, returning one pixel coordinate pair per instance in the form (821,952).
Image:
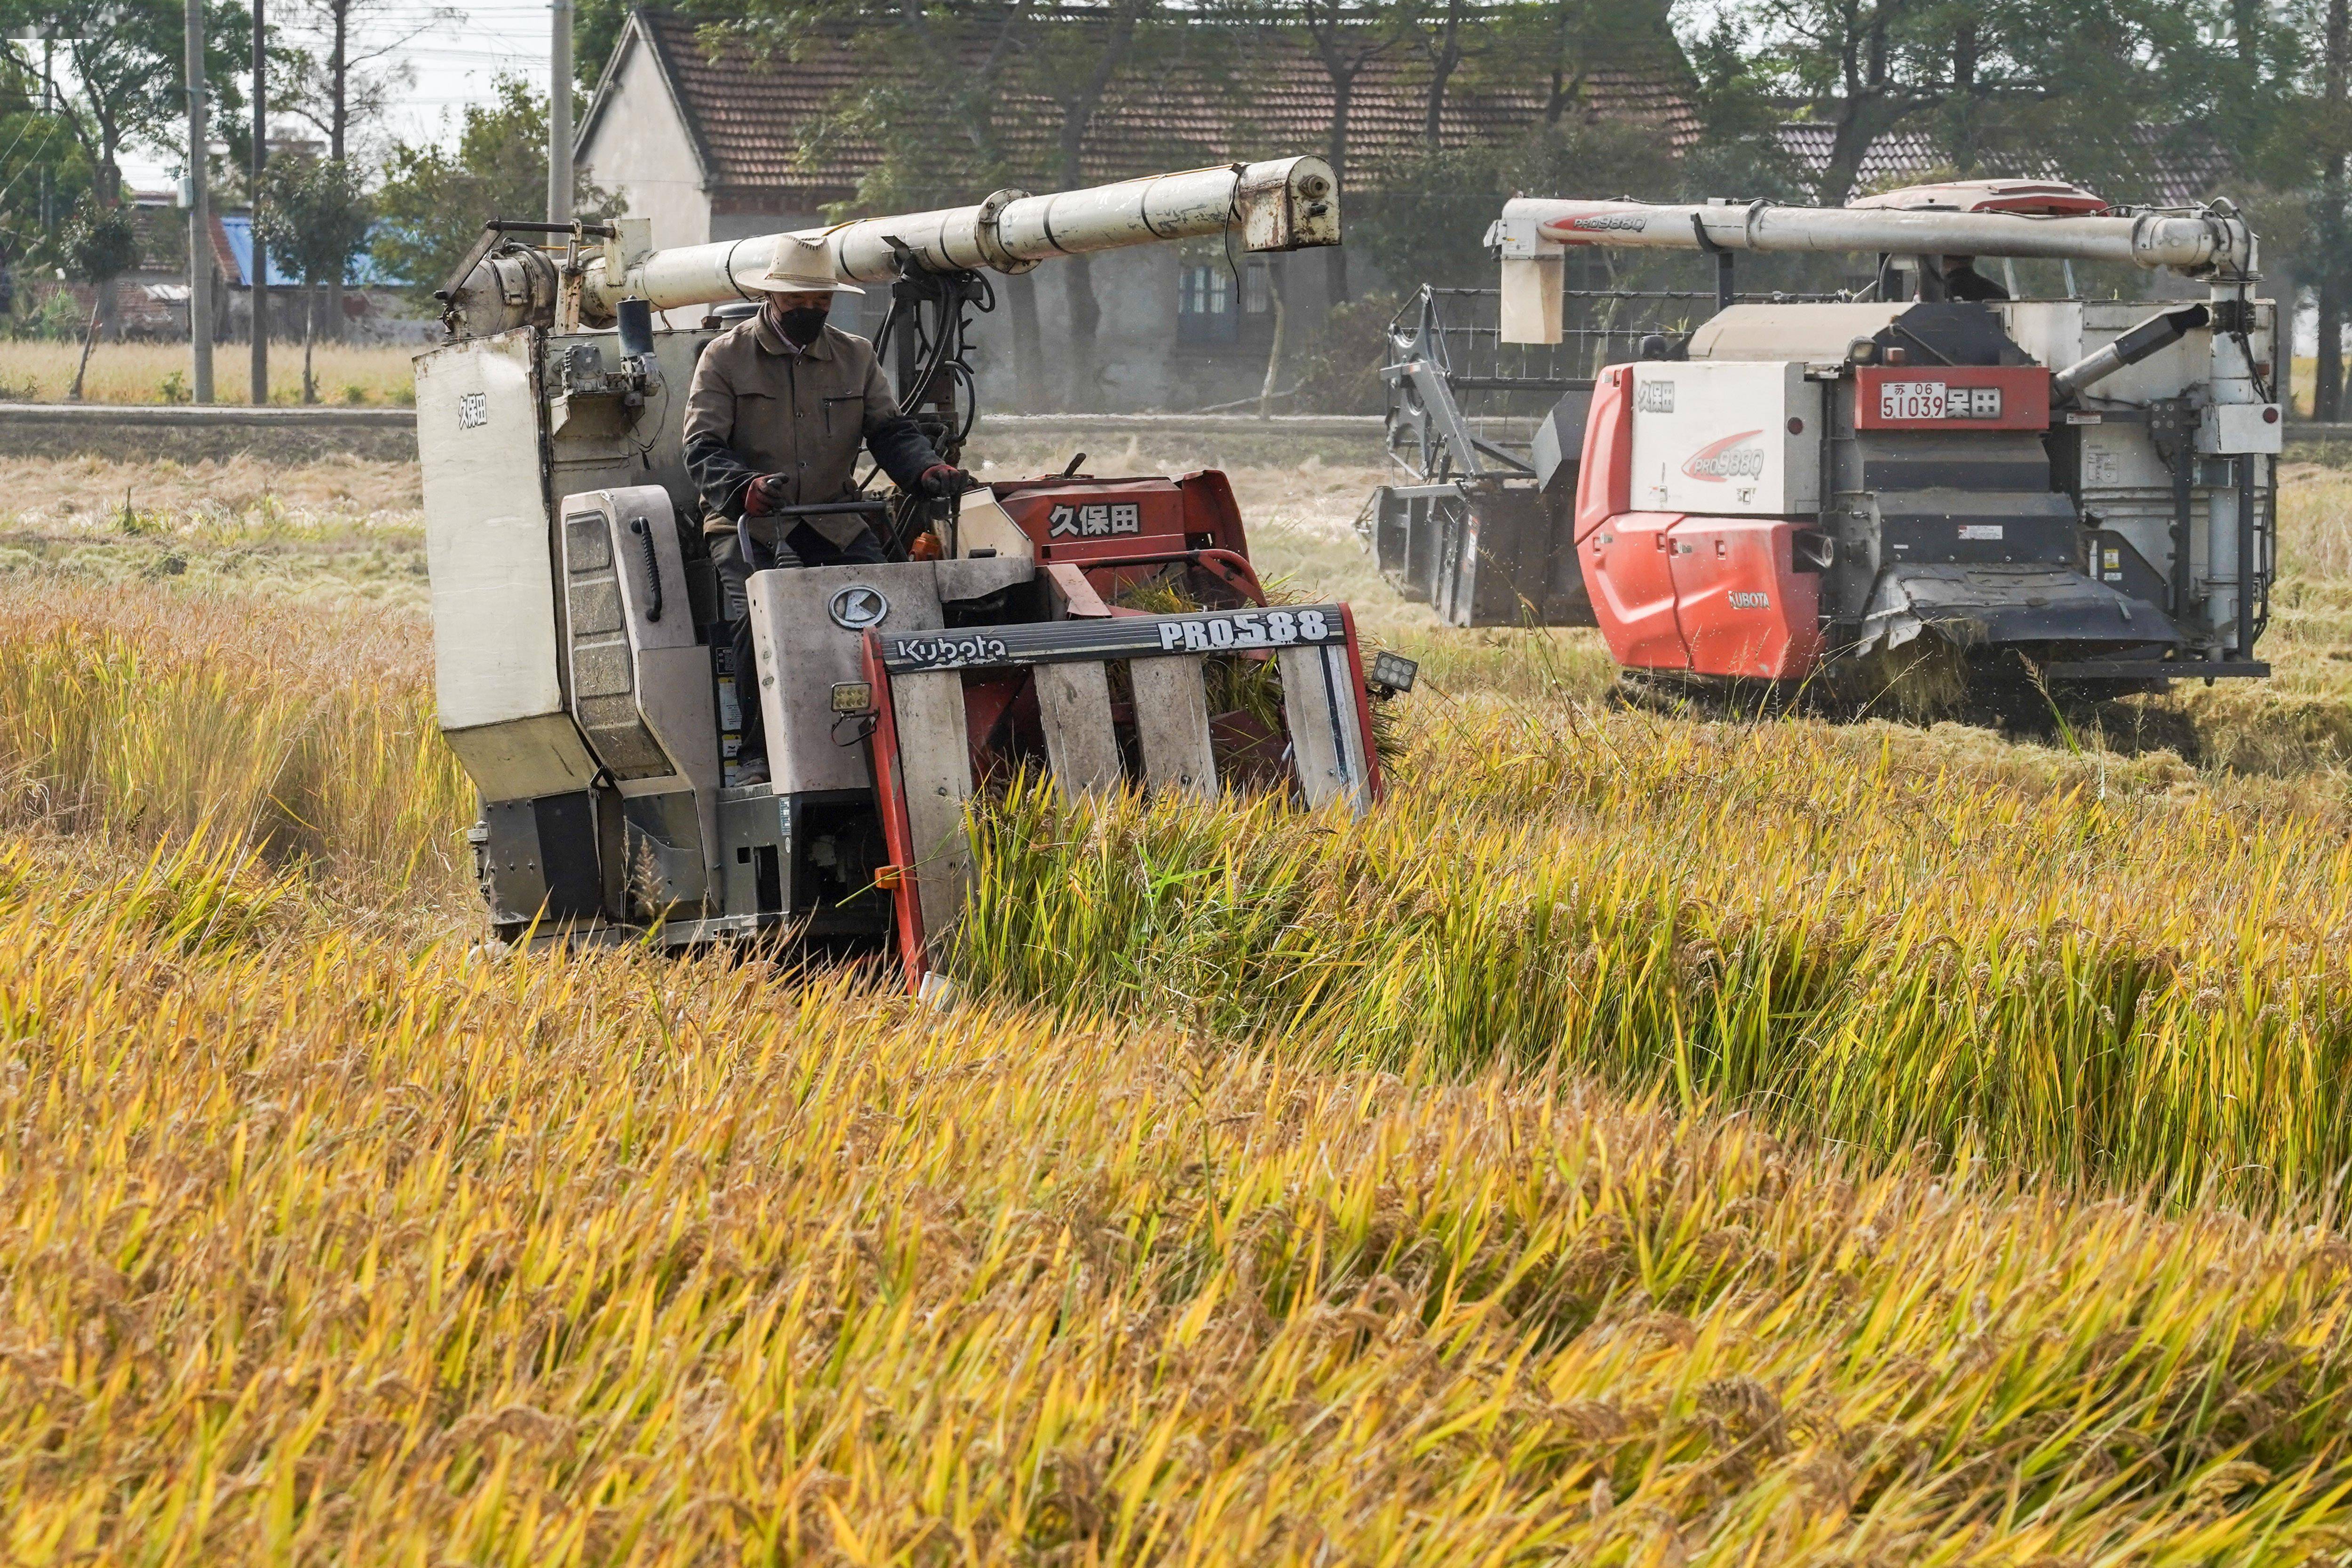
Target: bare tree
(1075,67)
(343,88)
(1862,64)
(1444,45)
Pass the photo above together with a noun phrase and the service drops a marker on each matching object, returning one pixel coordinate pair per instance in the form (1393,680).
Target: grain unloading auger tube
(1752,490)
(583,671)
(1285,204)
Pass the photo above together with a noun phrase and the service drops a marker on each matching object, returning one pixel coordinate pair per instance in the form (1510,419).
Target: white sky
(463,48)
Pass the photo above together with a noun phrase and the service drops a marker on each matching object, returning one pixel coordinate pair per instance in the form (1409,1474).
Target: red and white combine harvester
(582,659)
(1795,483)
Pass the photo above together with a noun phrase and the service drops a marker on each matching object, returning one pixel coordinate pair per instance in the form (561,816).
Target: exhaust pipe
(2152,336)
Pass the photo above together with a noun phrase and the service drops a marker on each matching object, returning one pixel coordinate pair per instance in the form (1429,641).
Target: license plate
(1911,400)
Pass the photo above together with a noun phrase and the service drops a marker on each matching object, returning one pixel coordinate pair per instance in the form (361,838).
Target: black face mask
(802,325)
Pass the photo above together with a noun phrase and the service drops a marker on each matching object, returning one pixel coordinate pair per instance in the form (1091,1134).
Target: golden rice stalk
(316,1248)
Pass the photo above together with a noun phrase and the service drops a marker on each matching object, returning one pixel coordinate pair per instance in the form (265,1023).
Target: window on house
(1204,305)
(1207,309)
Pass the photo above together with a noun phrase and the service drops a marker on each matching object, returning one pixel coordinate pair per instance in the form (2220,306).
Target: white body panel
(2226,429)
(1715,439)
(493,584)
(1532,304)
(2060,332)
(802,649)
(982,524)
(523,758)
(2121,476)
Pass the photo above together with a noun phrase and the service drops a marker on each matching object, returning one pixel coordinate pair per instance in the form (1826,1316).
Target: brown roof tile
(2164,170)
(755,118)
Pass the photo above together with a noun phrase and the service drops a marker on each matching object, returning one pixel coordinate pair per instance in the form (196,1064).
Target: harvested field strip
(2145,988)
(316,1245)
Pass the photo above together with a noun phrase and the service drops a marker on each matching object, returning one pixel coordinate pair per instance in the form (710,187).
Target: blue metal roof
(363,273)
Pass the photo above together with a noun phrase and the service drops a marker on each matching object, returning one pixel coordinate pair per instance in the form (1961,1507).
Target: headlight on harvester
(1391,673)
(852,697)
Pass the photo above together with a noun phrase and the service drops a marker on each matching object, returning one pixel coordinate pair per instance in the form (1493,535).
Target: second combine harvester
(580,653)
(1795,484)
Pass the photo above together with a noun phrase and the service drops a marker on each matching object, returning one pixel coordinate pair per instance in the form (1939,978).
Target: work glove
(764,495)
(941,480)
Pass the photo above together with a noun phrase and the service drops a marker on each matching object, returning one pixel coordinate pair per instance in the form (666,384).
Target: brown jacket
(757,407)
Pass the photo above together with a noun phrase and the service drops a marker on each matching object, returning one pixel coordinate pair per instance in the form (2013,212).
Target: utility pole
(260,279)
(48,109)
(200,213)
(559,116)
(2327,395)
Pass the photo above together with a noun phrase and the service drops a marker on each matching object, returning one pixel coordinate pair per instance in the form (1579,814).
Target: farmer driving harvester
(778,410)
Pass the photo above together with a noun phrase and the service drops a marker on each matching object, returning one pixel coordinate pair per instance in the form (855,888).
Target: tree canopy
(434,198)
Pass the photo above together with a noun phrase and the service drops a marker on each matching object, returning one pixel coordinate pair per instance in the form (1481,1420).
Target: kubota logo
(1727,459)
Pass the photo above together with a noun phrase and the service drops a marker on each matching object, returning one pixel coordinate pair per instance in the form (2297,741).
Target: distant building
(714,147)
(375,311)
(151,302)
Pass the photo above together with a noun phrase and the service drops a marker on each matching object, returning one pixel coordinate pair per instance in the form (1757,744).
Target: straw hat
(802,266)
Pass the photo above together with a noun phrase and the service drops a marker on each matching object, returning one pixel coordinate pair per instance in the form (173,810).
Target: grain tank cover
(2031,198)
(1929,332)
(1800,333)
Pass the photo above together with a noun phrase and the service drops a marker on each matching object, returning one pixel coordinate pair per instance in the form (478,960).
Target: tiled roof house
(712,139)
(717,144)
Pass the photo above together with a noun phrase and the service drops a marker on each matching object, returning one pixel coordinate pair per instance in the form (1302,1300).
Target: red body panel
(1742,607)
(1713,595)
(1628,565)
(897,833)
(2022,390)
(1089,520)
(1604,484)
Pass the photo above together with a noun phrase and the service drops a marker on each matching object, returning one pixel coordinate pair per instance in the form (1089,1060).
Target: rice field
(358,375)
(1648,1139)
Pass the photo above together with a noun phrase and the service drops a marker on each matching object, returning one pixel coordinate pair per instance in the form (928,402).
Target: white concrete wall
(1139,363)
(640,149)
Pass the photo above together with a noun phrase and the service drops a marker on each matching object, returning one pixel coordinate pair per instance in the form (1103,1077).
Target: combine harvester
(581,655)
(1798,483)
